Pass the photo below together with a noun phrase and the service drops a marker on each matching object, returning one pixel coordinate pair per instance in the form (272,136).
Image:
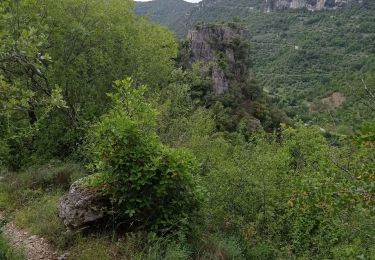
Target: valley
(301,56)
(218,130)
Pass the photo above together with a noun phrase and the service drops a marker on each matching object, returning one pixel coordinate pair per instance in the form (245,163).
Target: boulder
(83,206)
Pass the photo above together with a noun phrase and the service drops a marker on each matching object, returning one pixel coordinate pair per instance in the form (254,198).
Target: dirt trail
(35,248)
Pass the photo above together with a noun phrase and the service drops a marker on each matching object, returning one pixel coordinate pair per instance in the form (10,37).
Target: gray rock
(213,45)
(82,206)
(63,257)
(312,5)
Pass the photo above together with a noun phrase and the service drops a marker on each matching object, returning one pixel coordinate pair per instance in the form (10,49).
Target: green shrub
(288,195)
(151,185)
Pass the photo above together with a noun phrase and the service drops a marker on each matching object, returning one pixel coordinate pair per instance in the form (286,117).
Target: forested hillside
(301,57)
(304,57)
(118,141)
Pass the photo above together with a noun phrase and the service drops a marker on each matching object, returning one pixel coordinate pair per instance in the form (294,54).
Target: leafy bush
(288,195)
(150,184)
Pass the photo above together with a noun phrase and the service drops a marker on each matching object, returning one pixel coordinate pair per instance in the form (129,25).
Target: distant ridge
(180,16)
(166,12)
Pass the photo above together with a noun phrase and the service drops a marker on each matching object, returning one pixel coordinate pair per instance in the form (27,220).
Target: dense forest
(253,137)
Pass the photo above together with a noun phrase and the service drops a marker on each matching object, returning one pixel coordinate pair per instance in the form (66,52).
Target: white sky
(191,1)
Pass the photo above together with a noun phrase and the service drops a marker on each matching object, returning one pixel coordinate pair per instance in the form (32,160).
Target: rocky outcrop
(313,5)
(83,206)
(215,46)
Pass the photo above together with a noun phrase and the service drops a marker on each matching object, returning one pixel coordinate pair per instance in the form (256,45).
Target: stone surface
(313,5)
(82,206)
(213,45)
(33,246)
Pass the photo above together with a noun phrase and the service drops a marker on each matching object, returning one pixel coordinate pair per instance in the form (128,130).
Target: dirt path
(35,248)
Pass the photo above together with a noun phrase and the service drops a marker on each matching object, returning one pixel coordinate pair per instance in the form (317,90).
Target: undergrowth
(40,218)
(9,252)
(6,250)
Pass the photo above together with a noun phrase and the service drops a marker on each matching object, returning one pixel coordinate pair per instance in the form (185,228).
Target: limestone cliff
(233,94)
(217,47)
(312,5)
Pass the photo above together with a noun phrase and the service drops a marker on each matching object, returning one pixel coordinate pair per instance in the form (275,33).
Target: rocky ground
(35,247)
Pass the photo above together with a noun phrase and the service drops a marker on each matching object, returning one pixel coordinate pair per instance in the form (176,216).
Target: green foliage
(367,134)
(300,57)
(19,189)
(136,246)
(151,185)
(288,195)
(217,246)
(243,104)
(297,193)
(8,252)
(57,62)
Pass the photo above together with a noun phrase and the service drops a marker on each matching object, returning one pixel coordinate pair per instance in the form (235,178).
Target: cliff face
(180,16)
(312,5)
(272,5)
(217,48)
(223,52)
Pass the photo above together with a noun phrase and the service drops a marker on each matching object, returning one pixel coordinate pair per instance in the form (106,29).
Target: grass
(31,198)
(7,252)
(18,190)
(134,246)
(40,218)
(87,249)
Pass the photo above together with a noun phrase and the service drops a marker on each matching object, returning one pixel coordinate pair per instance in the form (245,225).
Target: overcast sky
(192,1)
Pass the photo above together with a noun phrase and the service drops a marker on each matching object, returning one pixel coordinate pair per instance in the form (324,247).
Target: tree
(80,47)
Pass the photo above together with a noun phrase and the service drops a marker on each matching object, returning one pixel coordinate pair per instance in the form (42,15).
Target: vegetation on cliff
(93,95)
(300,57)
